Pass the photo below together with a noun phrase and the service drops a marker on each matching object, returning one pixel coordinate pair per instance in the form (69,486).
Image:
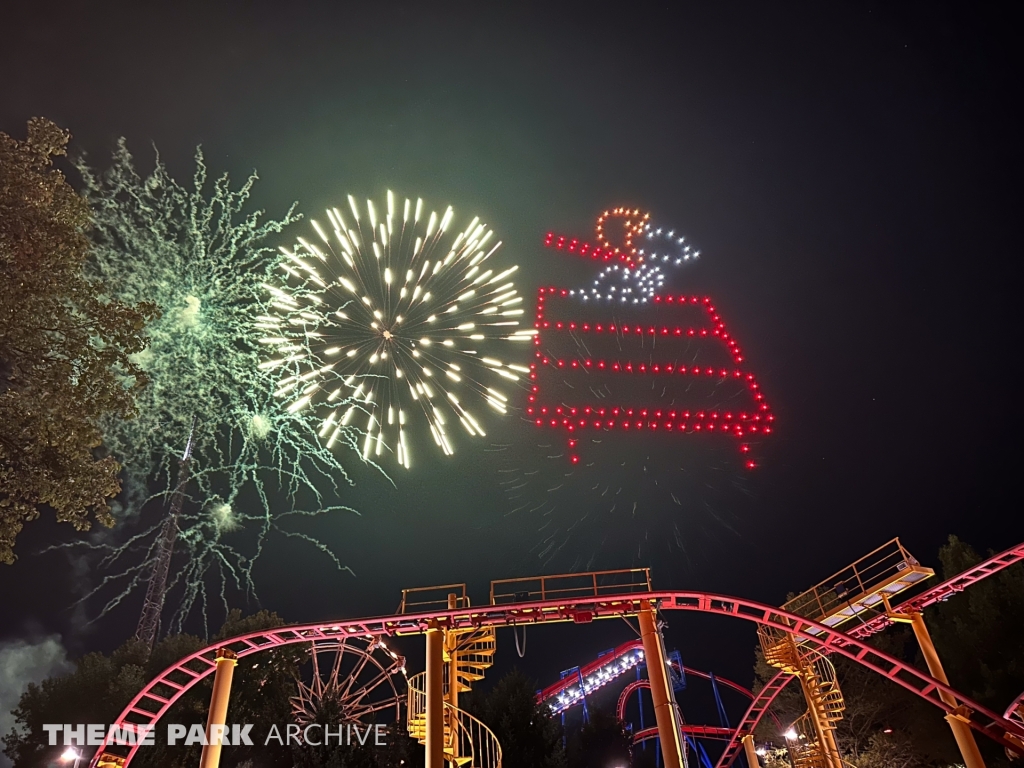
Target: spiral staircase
(861,588)
(468,653)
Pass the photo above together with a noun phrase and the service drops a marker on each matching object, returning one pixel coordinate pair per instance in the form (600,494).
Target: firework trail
(202,260)
(389,325)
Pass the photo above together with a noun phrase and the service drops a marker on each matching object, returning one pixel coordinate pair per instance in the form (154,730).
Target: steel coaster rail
(695,731)
(761,704)
(620,708)
(628,647)
(632,646)
(939,593)
(1015,711)
(945,590)
(150,704)
(556,688)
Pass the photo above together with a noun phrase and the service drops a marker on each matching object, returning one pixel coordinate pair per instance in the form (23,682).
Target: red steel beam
(755,712)
(628,647)
(696,731)
(1015,711)
(581,611)
(945,590)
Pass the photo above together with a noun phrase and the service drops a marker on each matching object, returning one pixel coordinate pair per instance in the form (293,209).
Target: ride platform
(860,587)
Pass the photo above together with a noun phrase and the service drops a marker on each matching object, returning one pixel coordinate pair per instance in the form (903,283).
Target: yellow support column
(827,746)
(748,750)
(451,643)
(832,750)
(961,730)
(226,661)
(435,698)
(661,688)
(811,687)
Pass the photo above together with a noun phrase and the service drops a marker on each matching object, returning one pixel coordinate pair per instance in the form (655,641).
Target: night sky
(850,172)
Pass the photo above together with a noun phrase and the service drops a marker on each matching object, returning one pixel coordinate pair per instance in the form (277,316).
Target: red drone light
(670,338)
(553,393)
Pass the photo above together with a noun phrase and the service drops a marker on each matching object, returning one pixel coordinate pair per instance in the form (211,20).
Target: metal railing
(891,565)
(804,749)
(826,690)
(469,743)
(596,584)
(429,599)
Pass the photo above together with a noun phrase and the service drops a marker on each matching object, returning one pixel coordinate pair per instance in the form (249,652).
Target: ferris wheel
(351,680)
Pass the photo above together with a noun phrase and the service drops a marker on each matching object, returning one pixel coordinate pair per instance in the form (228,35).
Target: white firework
(390,323)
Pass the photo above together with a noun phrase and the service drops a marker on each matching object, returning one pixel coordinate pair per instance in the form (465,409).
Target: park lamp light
(70,754)
(791,734)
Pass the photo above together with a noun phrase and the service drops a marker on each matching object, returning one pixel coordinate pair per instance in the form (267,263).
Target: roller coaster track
(689,729)
(755,712)
(696,731)
(153,701)
(937,594)
(945,590)
(632,646)
(1015,711)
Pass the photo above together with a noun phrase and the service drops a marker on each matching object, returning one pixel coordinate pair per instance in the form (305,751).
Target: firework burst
(390,324)
(201,258)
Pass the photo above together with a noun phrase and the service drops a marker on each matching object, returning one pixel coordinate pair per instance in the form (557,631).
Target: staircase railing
(829,694)
(804,750)
(469,743)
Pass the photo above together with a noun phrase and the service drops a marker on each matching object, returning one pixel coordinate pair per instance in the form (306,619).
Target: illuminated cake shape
(667,365)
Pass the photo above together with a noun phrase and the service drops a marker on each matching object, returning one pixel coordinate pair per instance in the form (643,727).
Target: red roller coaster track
(936,594)
(628,647)
(633,646)
(753,716)
(1015,711)
(150,704)
(636,685)
(697,731)
(553,690)
(945,590)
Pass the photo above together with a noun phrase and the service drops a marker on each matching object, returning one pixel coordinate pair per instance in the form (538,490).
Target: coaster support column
(661,687)
(215,728)
(451,643)
(435,698)
(957,723)
(749,751)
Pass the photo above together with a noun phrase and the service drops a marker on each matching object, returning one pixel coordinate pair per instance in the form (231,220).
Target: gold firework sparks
(391,322)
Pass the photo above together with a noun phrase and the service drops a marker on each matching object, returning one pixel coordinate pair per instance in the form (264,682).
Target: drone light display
(639,270)
(660,363)
(643,415)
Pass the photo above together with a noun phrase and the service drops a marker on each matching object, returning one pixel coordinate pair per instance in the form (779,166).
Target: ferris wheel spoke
(355,684)
(354,676)
(367,689)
